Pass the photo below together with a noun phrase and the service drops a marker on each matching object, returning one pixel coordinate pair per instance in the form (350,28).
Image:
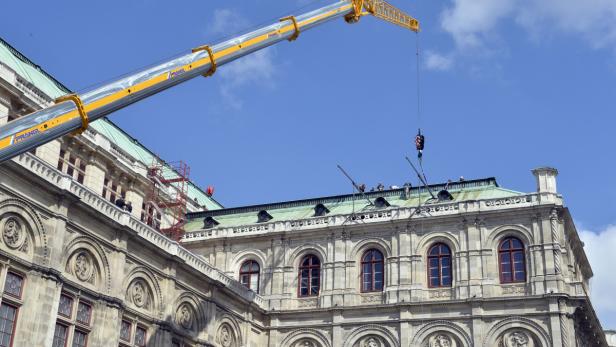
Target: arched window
(249,275)
(439,266)
(309,276)
(372,265)
(512,266)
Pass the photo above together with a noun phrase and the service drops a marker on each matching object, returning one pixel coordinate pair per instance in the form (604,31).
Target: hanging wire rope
(419,138)
(417,66)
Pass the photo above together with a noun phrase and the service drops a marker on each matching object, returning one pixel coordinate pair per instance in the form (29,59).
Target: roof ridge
(26,60)
(467,184)
(17,54)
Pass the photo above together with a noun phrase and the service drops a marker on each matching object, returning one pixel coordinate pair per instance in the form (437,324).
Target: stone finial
(546,179)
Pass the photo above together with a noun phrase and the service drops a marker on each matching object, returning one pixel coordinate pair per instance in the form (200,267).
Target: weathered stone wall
(63,244)
(477,310)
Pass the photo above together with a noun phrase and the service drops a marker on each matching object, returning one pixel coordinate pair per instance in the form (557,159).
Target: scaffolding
(165,206)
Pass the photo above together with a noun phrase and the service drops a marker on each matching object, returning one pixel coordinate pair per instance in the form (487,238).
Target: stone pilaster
(278,284)
(565,323)
(136,196)
(43,293)
(95,173)
(5,107)
(50,152)
(555,322)
(107,319)
(475,267)
(405,257)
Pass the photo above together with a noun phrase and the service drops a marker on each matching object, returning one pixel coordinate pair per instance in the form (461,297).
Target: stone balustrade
(104,207)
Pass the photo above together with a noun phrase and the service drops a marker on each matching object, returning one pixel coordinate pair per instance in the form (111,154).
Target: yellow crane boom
(384,10)
(72,113)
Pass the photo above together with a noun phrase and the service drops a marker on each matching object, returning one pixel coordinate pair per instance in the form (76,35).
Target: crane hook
(419,143)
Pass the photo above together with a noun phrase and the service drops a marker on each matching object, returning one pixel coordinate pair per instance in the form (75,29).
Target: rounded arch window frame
(310,267)
(250,272)
(372,263)
(439,256)
(510,251)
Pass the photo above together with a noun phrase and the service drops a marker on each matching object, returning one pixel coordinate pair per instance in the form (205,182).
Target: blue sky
(506,86)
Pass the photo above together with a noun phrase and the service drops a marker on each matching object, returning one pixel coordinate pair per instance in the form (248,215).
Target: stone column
(5,107)
(135,195)
(95,173)
(50,152)
(555,323)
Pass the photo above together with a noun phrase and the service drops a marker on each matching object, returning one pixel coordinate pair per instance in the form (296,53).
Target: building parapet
(145,232)
(372,216)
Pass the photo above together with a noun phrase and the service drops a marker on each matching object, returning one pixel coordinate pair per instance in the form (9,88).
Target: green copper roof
(346,204)
(47,84)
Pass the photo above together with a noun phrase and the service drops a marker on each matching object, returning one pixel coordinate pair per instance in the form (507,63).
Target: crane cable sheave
(384,10)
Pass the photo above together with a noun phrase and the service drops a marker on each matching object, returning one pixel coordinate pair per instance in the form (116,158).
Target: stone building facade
(485,266)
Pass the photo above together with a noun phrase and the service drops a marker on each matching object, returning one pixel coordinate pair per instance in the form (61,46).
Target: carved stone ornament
(441,340)
(371,341)
(82,267)
(225,335)
(13,234)
(138,294)
(516,338)
(184,316)
(305,343)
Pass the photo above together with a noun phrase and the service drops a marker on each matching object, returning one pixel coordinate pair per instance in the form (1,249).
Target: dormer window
(320,210)
(444,195)
(380,202)
(263,216)
(209,223)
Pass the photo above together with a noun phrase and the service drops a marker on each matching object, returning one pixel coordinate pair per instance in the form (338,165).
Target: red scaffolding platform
(167,197)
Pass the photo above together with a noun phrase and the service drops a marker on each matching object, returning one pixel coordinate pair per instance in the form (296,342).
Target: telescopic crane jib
(72,113)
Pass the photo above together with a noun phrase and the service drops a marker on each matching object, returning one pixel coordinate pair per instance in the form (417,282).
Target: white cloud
(473,23)
(257,69)
(599,248)
(437,61)
(470,21)
(226,21)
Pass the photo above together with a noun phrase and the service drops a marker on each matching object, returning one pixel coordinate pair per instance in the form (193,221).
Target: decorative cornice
(399,192)
(377,216)
(142,231)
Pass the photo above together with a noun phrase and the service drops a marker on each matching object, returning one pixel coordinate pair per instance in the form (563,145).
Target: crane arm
(73,113)
(384,10)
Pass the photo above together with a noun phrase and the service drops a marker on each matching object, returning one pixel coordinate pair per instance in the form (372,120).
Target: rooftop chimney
(546,179)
